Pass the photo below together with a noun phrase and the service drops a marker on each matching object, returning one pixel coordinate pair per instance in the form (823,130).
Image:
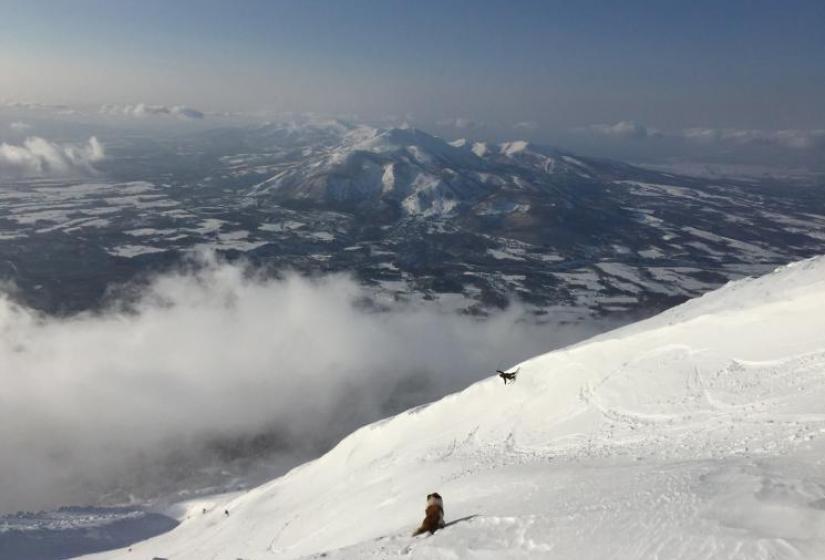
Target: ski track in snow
(697,434)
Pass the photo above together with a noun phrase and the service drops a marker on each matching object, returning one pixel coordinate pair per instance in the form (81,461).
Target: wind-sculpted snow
(695,434)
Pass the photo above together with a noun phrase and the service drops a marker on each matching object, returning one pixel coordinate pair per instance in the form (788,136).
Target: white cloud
(789,138)
(219,353)
(38,157)
(144,110)
(623,129)
(703,135)
(31,106)
(801,138)
(797,139)
(19,126)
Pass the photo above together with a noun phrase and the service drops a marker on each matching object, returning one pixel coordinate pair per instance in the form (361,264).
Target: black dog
(507,376)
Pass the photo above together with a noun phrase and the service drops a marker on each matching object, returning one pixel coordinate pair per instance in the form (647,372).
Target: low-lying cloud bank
(38,157)
(144,110)
(216,362)
(789,138)
(622,129)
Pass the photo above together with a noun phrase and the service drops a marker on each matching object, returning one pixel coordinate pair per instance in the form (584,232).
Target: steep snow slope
(696,434)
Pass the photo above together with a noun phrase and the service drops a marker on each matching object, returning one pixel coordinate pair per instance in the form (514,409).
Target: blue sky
(561,64)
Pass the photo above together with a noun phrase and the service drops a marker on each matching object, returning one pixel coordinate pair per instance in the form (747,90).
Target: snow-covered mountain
(698,433)
(420,174)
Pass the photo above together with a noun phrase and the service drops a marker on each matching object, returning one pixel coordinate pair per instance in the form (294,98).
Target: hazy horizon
(732,82)
(753,65)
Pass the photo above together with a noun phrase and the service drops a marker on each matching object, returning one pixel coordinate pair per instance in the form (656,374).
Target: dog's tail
(419,531)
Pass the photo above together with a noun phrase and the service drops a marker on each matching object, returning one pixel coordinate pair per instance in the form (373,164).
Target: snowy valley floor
(699,433)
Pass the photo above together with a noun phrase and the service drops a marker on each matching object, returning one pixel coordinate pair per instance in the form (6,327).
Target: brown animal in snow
(434,515)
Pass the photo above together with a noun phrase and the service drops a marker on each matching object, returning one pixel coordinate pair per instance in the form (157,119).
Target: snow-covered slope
(698,433)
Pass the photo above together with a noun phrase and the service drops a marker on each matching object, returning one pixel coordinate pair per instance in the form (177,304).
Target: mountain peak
(514,147)
(421,145)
